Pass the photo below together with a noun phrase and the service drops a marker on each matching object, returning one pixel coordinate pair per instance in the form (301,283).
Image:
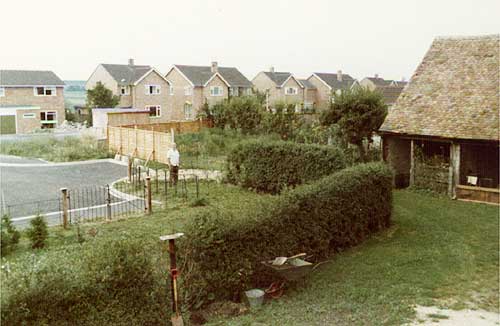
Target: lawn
(52,149)
(438,252)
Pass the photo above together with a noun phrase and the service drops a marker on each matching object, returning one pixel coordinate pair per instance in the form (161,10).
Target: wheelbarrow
(289,269)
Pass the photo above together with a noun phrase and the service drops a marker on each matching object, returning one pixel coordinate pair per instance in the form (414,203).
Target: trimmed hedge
(222,252)
(270,167)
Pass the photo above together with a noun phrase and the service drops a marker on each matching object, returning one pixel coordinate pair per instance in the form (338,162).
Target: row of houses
(34,99)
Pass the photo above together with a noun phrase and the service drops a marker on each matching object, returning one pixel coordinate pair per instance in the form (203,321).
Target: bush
(9,236)
(283,120)
(38,232)
(102,282)
(223,250)
(272,166)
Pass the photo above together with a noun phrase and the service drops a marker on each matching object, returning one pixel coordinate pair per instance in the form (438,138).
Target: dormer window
(291,91)
(124,90)
(44,91)
(153,89)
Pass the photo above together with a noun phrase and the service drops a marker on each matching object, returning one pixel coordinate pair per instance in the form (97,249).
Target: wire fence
(106,202)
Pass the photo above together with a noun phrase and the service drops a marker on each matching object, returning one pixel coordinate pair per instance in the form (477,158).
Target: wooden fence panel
(144,144)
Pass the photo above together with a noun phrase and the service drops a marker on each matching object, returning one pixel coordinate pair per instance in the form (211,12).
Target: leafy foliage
(272,166)
(9,236)
(101,97)
(223,249)
(103,282)
(37,233)
(283,120)
(358,113)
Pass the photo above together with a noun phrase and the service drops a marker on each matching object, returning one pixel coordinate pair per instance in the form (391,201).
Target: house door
(7,124)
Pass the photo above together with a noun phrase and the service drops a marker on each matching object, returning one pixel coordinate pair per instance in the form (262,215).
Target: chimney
(215,67)
(339,75)
(271,69)
(130,62)
(376,75)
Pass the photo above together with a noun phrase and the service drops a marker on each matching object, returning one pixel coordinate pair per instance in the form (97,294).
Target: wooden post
(454,171)
(172,135)
(130,159)
(154,147)
(176,318)
(65,205)
(412,162)
(108,203)
(149,201)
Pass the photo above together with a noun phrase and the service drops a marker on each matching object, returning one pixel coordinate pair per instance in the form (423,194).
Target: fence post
(64,198)
(129,169)
(197,188)
(149,201)
(108,202)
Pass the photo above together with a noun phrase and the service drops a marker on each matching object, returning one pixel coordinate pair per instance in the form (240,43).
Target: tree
(283,120)
(38,232)
(9,235)
(358,113)
(101,97)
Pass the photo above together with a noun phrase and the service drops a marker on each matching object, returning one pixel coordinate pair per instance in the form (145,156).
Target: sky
(361,38)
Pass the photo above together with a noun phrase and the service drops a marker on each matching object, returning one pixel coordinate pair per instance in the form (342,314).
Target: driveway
(30,186)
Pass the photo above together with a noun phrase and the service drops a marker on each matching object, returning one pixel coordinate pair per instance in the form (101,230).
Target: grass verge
(52,149)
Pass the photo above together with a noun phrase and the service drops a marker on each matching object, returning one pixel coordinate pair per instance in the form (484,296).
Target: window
(188,90)
(28,115)
(154,111)
(124,90)
(171,90)
(2,92)
(216,91)
(44,91)
(48,119)
(233,91)
(188,111)
(153,89)
(291,91)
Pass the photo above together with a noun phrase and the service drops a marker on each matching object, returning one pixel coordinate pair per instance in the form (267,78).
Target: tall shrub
(38,232)
(223,250)
(270,167)
(9,235)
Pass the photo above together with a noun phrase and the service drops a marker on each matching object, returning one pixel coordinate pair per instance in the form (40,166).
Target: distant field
(74,98)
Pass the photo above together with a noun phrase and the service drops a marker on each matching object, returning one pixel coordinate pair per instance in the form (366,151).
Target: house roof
(29,78)
(380,82)
(331,80)
(126,74)
(279,78)
(306,83)
(453,93)
(200,75)
(390,93)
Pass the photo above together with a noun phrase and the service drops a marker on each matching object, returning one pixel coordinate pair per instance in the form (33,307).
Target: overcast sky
(359,37)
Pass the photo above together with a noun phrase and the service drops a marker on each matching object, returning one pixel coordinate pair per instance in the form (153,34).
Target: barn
(443,131)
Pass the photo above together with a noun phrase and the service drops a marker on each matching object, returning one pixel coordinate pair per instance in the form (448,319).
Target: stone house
(280,87)
(328,83)
(193,86)
(443,131)
(390,89)
(30,100)
(139,87)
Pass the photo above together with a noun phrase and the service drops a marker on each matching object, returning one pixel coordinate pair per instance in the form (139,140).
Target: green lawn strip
(437,249)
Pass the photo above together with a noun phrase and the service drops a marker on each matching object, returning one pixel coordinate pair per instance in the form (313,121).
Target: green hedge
(102,282)
(270,167)
(222,250)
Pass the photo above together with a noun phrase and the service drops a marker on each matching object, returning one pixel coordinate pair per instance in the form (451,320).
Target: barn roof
(453,93)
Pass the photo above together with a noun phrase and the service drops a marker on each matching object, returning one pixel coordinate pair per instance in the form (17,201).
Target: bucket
(255,297)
